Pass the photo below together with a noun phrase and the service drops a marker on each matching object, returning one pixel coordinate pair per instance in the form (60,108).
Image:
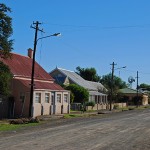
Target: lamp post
(33,65)
(112,80)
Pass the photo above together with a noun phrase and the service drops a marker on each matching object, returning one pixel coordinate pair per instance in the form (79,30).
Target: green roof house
(131,95)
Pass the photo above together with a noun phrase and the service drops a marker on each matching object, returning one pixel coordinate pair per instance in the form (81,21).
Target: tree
(5,47)
(145,86)
(5,77)
(81,94)
(117,83)
(5,31)
(89,74)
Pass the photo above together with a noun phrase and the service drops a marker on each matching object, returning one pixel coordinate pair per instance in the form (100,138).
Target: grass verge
(72,115)
(10,127)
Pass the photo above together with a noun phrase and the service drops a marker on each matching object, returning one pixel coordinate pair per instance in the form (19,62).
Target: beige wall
(21,107)
(97,107)
(63,106)
(145,100)
(44,108)
(121,105)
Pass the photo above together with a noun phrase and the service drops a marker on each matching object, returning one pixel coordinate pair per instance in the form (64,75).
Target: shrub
(116,106)
(16,121)
(90,103)
(81,94)
(24,121)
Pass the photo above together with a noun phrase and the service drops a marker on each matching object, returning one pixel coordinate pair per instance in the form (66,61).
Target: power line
(141,72)
(102,27)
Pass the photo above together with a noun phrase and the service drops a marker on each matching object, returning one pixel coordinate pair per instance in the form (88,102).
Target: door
(52,103)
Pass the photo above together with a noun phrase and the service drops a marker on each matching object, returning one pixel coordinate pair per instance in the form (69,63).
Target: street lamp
(120,68)
(112,78)
(33,64)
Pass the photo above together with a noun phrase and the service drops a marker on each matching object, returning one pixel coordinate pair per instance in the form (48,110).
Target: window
(66,98)
(59,98)
(47,97)
(38,97)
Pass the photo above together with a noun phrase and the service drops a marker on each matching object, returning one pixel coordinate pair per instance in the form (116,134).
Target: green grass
(134,107)
(91,111)
(72,115)
(10,127)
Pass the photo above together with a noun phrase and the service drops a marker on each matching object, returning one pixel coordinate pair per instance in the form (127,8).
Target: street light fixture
(33,64)
(55,34)
(120,68)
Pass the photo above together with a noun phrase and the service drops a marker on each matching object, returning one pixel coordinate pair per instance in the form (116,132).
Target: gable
(74,78)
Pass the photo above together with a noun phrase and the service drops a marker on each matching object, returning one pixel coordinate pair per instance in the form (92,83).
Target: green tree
(80,94)
(117,83)
(5,31)
(5,47)
(145,86)
(89,74)
(5,77)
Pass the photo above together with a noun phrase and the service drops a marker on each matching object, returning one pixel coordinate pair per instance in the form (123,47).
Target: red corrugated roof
(41,85)
(22,66)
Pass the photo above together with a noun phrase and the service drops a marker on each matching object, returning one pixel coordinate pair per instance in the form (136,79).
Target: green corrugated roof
(128,91)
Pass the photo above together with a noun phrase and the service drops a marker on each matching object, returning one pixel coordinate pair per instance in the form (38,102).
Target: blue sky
(94,34)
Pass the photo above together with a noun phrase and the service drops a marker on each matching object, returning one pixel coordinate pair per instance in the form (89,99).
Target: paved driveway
(128,130)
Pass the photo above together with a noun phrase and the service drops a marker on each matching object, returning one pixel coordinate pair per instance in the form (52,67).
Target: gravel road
(129,130)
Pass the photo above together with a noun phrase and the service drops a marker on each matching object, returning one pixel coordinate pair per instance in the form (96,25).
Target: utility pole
(112,78)
(33,64)
(137,89)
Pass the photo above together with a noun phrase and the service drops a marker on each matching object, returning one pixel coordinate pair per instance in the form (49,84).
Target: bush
(90,103)
(80,93)
(16,121)
(24,121)
(116,106)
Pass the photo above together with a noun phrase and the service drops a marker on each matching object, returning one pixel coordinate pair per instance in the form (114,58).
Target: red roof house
(48,97)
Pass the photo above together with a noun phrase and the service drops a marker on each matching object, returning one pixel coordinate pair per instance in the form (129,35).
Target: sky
(94,33)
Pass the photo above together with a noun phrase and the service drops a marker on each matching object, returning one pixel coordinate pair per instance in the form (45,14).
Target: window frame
(59,98)
(47,95)
(66,98)
(38,95)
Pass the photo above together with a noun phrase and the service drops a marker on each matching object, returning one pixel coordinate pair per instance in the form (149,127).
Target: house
(48,97)
(130,96)
(96,90)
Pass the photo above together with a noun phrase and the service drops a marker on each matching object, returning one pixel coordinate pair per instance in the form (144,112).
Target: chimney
(30,53)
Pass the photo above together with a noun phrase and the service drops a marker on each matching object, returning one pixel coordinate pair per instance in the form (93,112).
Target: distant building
(131,95)
(96,90)
(49,97)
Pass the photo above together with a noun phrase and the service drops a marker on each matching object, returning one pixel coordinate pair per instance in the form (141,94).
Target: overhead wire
(103,27)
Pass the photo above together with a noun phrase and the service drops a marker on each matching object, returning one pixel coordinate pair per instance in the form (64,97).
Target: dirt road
(128,130)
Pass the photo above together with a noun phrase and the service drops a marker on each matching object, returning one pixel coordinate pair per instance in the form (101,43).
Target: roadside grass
(10,127)
(66,116)
(133,108)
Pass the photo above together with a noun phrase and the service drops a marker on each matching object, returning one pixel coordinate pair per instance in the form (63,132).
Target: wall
(97,107)
(44,108)
(145,100)
(21,107)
